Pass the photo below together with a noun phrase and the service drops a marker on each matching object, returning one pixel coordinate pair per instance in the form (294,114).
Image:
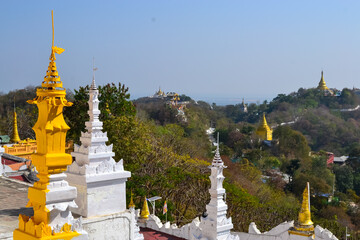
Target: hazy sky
(205,49)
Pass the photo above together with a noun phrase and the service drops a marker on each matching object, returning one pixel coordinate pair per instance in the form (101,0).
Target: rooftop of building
(150,234)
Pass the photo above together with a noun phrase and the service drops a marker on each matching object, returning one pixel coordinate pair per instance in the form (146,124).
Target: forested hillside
(168,156)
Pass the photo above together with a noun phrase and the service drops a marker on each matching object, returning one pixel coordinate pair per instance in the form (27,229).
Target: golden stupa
(15,136)
(264,131)
(304,226)
(131,204)
(145,210)
(322,84)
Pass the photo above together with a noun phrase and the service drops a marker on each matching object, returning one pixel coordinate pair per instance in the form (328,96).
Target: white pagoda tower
(215,225)
(100,181)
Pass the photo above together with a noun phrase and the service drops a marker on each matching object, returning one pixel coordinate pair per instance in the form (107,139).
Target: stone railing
(189,231)
(280,232)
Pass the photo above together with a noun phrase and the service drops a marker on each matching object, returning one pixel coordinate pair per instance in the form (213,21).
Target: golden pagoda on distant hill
(322,83)
(264,131)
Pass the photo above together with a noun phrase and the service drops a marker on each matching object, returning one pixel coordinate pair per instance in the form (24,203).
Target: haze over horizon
(204,49)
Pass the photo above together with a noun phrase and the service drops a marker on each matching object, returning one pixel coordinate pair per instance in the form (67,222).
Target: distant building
(23,149)
(340,160)
(243,107)
(264,131)
(159,94)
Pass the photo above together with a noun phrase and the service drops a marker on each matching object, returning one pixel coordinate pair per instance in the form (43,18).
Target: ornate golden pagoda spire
(322,84)
(145,210)
(131,204)
(51,196)
(264,131)
(15,137)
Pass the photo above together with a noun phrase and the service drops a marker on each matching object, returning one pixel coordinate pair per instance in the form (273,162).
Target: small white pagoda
(100,181)
(215,224)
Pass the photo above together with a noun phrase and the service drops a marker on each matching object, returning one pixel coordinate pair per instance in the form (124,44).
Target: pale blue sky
(205,49)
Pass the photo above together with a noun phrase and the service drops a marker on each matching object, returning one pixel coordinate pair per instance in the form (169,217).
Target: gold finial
(145,210)
(305,214)
(52,18)
(52,78)
(131,204)
(51,87)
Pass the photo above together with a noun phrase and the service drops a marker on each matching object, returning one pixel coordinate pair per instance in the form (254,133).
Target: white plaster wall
(100,194)
(106,197)
(109,227)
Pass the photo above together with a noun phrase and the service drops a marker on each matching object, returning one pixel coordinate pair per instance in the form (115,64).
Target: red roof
(150,234)
(330,159)
(19,177)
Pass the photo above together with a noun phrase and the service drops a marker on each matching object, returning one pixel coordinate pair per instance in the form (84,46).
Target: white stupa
(215,225)
(100,181)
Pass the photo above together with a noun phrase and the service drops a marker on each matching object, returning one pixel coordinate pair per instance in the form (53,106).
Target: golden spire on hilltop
(305,214)
(264,131)
(131,204)
(15,137)
(322,84)
(145,210)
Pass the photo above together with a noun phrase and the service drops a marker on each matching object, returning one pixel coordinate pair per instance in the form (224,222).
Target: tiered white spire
(99,179)
(216,225)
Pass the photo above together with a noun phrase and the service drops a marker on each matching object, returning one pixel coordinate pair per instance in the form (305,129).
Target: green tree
(114,101)
(344,178)
(292,143)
